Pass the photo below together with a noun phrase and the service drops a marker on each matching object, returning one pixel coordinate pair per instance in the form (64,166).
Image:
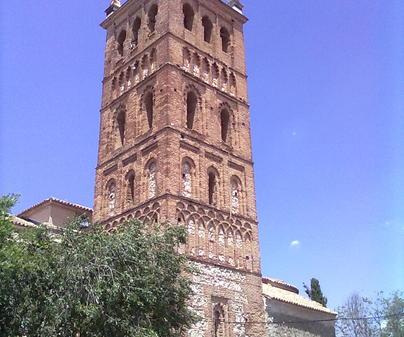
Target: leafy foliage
(315,293)
(91,283)
(364,317)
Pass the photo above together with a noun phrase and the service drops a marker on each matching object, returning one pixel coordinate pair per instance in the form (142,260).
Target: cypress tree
(315,293)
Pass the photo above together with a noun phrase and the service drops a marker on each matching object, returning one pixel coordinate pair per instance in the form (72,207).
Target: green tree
(314,292)
(378,317)
(394,316)
(91,283)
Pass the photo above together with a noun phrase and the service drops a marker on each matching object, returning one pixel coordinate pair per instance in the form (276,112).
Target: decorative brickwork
(175,147)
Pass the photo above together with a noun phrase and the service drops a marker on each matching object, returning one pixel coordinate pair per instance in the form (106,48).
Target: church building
(175,147)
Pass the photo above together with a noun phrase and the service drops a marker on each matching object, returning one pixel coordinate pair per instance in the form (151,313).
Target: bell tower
(175,147)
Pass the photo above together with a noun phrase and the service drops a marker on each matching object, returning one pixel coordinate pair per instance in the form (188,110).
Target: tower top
(236,5)
(115,4)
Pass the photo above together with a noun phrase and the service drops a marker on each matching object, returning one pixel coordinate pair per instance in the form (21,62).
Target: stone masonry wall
(289,320)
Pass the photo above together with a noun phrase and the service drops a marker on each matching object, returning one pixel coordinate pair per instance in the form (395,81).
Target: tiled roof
(29,224)
(21,222)
(59,201)
(280,284)
(287,296)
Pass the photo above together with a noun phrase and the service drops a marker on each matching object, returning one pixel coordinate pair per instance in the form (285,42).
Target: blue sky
(326,82)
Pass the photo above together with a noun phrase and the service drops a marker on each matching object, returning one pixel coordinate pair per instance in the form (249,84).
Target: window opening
(191,109)
(152,18)
(136,29)
(188,16)
(121,42)
(225,36)
(224,124)
(207,29)
(149,108)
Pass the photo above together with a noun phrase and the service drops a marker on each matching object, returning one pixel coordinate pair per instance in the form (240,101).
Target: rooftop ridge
(59,201)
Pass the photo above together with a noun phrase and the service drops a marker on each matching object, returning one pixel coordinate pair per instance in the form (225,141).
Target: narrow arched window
(188,16)
(186,179)
(136,29)
(130,187)
(224,124)
(121,42)
(120,127)
(225,36)
(111,196)
(114,84)
(149,105)
(122,81)
(218,321)
(205,69)
(153,59)
(145,65)
(152,18)
(207,29)
(192,102)
(129,76)
(224,79)
(235,185)
(136,72)
(196,62)
(248,252)
(233,85)
(212,187)
(152,180)
(215,74)
(187,58)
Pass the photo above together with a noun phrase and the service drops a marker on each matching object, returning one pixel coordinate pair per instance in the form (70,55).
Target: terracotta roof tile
(290,297)
(59,201)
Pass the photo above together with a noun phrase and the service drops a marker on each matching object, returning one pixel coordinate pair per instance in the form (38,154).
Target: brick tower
(175,146)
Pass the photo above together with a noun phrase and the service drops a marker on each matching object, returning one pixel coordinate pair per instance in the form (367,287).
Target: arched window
(212,186)
(187,178)
(122,81)
(111,196)
(248,252)
(130,187)
(145,65)
(151,179)
(233,86)
(153,59)
(152,18)
(224,124)
(220,245)
(207,29)
(188,16)
(120,127)
(136,29)
(230,246)
(192,102)
(205,69)
(218,321)
(121,42)
(215,74)
(201,237)
(196,61)
(235,185)
(114,85)
(129,76)
(149,105)
(135,72)
(187,58)
(225,36)
(224,79)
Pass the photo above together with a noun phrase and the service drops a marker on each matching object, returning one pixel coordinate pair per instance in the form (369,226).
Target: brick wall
(146,139)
